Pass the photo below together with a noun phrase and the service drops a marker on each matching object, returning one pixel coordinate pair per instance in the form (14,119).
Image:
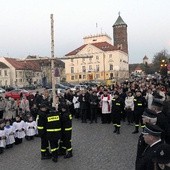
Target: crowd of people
(141,102)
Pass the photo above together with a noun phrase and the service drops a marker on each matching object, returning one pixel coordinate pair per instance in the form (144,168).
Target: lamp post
(163,67)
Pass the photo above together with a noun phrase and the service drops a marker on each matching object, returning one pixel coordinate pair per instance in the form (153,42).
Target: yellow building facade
(97,59)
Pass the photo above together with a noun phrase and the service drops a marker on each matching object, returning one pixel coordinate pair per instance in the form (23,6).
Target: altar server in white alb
(19,126)
(9,131)
(2,136)
(30,128)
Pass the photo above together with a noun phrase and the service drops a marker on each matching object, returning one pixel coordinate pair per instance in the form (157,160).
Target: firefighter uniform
(139,107)
(117,109)
(66,126)
(53,132)
(41,126)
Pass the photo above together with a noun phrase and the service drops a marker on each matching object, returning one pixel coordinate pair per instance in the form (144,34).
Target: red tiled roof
(74,52)
(104,46)
(138,68)
(26,64)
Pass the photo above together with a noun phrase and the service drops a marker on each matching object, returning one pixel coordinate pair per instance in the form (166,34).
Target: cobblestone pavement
(95,147)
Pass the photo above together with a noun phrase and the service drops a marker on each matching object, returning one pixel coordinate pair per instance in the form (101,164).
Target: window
(83,68)
(79,76)
(111,66)
(72,69)
(97,57)
(90,67)
(83,59)
(6,82)
(76,77)
(97,76)
(72,77)
(20,80)
(0,82)
(38,74)
(84,76)
(0,73)
(97,67)
(110,56)
(72,60)
(5,73)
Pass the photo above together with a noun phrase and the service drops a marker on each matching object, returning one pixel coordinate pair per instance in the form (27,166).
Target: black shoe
(134,132)
(115,130)
(45,157)
(55,159)
(118,132)
(68,155)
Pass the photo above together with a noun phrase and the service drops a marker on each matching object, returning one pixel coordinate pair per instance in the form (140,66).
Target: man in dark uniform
(117,109)
(53,132)
(139,107)
(66,131)
(162,157)
(41,122)
(161,119)
(152,137)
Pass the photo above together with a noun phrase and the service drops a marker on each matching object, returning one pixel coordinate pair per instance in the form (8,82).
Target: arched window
(111,67)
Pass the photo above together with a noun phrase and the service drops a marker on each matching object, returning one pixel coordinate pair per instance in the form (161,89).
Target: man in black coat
(162,121)
(83,99)
(94,102)
(152,137)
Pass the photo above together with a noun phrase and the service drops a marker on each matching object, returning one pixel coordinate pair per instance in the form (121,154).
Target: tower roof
(145,58)
(119,21)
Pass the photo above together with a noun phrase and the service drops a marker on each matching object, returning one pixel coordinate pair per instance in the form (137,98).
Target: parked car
(30,87)
(15,94)
(80,87)
(62,91)
(60,86)
(2,90)
(67,84)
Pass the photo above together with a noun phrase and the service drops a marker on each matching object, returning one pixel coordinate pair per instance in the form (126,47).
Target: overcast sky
(25,25)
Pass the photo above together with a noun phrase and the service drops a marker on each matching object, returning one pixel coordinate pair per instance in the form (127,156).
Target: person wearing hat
(152,137)
(41,121)
(161,119)
(162,157)
(117,109)
(166,106)
(139,106)
(65,147)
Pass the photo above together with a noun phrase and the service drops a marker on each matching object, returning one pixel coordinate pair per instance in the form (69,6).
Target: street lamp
(163,68)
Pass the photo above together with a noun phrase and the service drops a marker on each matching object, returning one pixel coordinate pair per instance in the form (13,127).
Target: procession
(140,103)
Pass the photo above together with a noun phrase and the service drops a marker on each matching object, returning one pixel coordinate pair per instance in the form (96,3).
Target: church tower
(120,34)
